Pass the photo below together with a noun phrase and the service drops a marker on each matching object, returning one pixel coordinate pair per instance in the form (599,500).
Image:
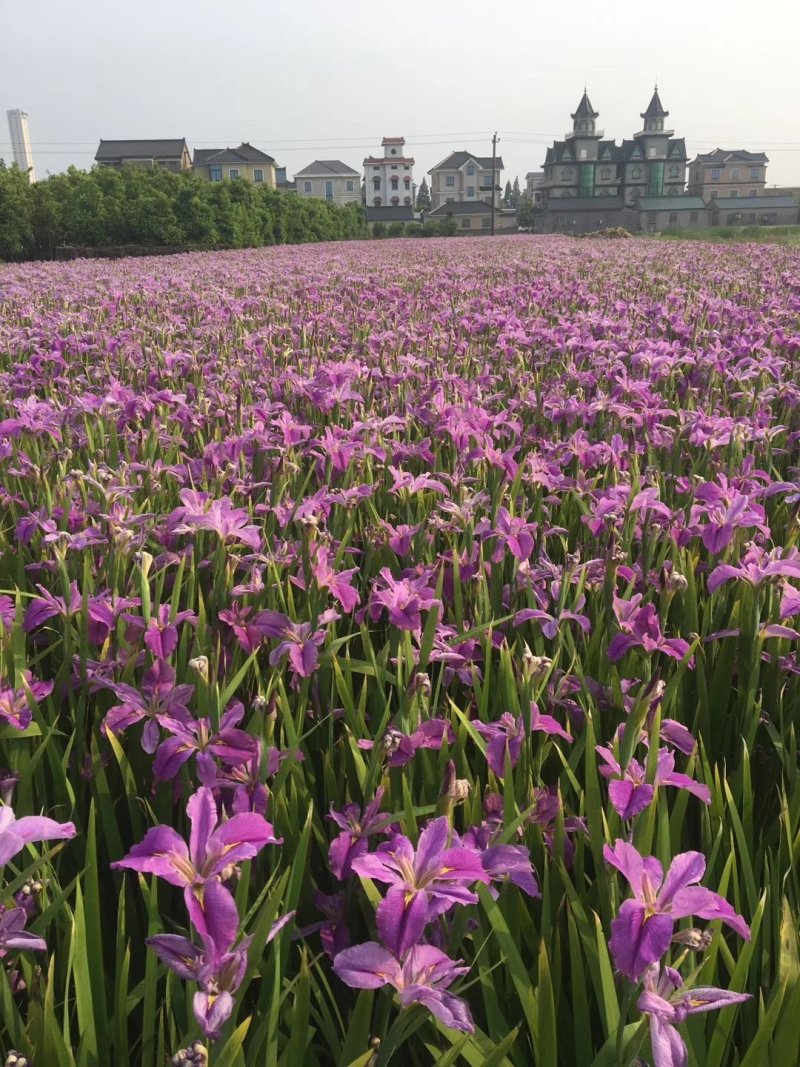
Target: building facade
(388,179)
(331,180)
(728,174)
(591,182)
(21,142)
(534,180)
(475,216)
(465,178)
(171,154)
(216,164)
(754,211)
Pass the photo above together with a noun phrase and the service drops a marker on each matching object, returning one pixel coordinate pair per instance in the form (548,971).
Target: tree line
(106,208)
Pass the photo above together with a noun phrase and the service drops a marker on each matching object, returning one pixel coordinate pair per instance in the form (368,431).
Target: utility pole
(494,171)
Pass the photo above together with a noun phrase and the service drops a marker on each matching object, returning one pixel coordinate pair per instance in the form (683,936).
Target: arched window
(377,201)
(407,182)
(394,183)
(376,183)
(636,173)
(566,173)
(583,124)
(395,200)
(674,172)
(605,173)
(407,200)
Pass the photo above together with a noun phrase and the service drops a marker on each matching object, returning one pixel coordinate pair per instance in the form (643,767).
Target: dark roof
(566,204)
(731,155)
(672,203)
(655,109)
(169,148)
(753,203)
(585,109)
(676,148)
(457,159)
(399,213)
(245,153)
(464,207)
(326,166)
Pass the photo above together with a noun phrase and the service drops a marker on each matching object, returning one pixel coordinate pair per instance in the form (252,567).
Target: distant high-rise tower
(21,142)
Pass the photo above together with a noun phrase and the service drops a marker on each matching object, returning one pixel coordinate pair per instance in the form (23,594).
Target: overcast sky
(303,79)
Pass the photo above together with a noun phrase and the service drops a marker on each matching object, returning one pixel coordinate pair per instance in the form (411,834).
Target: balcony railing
(583,133)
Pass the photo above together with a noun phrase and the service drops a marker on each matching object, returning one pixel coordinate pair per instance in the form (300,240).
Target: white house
(329,179)
(388,179)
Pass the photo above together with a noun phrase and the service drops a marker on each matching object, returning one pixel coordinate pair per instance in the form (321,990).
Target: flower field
(398,655)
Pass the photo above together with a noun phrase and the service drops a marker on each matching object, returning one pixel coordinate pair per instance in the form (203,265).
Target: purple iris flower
(757,567)
(630,792)
(16,833)
(666,1008)
(402,599)
(400,748)
(161,632)
(301,645)
(14,707)
(230,745)
(502,863)
(157,696)
(640,628)
(422,977)
(425,882)
(724,510)
(219,516)
(356,828)
(338,583)
(13,934)
(504,736)
(642,931)
(211,856)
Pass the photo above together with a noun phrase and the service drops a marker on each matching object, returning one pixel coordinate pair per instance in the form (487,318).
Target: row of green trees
(105,208)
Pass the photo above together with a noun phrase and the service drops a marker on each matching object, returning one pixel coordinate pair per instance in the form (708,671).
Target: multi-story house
(592,183)
(388,179)
(728,174)
(464,177)
(534,180)
(215,164)
(331,180)
(171,154)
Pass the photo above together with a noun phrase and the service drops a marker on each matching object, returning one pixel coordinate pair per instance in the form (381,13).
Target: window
(583,153)
(752,192)
(450,200)
(394,166)
(394,151)
(466,224)
(486,224)
(755,173)
(673,218)
(329,190)
(471,170)
(674,172)
(349,185)
(655,180)
(714,194)
(395,200)
(566,173)
(715,174)
(636,173)
(406,182)
(733,218)
(407,200)
(586,180)
(376,168)
(394,182)
(734,194)
(307,187)
(215,174)
(406,168)
(735,174)
(233,172)
(605,173)
(583,124)
(450,181)
(258,175)
(470,190)
(377,201)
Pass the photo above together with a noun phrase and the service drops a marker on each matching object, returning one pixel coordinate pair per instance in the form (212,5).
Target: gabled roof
(245,153)
(168,148)
(327,167)
(456,160)
(672,203)
(676,148)
(464,207)
(655,109)
(731,155)
(631,150)
(393,140)
(585,109)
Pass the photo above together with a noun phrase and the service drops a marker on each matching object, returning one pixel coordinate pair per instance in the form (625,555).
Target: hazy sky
(303,79)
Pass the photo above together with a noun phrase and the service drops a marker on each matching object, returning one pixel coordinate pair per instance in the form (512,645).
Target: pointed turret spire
(655,109)
(585,109)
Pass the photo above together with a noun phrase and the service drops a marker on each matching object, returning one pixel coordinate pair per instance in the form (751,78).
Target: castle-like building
(591,183)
